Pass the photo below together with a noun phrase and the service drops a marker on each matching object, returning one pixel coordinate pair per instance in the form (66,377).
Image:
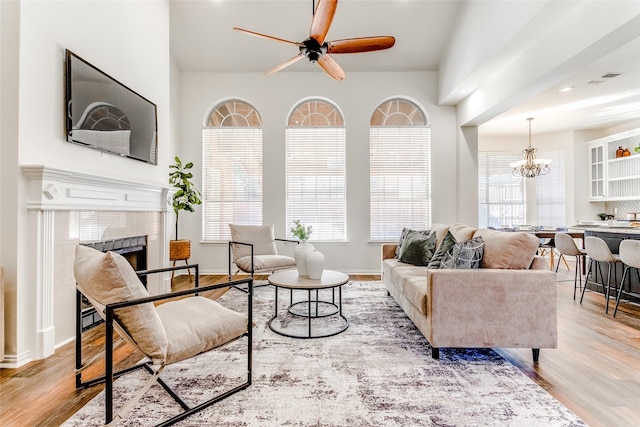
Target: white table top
(290,279)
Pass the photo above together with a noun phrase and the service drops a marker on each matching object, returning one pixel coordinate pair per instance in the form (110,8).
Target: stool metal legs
(606,287)
(577,275)
(624,274)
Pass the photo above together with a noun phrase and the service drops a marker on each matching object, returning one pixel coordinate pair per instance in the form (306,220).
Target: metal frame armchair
(252,249)
(183,327)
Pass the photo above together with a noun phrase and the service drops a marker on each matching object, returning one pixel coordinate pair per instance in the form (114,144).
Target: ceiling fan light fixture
(530,166)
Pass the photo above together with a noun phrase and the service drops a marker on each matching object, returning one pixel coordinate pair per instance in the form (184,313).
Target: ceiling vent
(610,75)
(595,82)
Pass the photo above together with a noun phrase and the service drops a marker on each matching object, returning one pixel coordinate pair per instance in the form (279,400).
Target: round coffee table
(326,315)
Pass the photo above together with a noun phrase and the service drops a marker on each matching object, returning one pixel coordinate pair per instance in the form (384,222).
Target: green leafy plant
(186,195)
(637,149)
(300,231)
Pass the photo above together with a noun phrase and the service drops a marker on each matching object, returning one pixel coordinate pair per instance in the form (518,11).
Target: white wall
(128,40)
(357,96)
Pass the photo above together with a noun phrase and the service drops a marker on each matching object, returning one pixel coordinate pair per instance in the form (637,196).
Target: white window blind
(232,179)
(400,184)
(316,181)
(501,196)
(550,192)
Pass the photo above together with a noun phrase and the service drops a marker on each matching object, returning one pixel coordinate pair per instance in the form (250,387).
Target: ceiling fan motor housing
(313,50)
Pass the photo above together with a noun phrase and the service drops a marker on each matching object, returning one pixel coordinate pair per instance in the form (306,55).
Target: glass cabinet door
(597,177)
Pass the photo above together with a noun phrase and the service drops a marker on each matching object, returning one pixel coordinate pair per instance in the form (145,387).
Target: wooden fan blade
(322,18)
(264,36)
(286,64)
(331,67)
(363,44)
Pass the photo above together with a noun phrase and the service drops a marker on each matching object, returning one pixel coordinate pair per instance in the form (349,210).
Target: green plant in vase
(300,231)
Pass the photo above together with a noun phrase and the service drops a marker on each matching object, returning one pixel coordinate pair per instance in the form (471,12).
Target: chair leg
(624,273)
(586,279)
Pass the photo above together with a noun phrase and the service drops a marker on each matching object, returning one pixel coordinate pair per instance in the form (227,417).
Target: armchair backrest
(260,236)
(107,278)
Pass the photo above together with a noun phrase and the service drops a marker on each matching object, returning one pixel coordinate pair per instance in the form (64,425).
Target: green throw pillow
(467,254)
(447,243)
(405,232)
(417,249)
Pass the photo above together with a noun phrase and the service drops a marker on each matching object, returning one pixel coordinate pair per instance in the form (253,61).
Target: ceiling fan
(316,49)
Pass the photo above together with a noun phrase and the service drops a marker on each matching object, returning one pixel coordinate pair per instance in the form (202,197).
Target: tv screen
(104,114)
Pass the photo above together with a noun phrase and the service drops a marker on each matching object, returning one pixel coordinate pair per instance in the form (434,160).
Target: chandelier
(529,166)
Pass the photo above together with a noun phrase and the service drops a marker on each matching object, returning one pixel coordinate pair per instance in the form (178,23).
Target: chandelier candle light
(530,167)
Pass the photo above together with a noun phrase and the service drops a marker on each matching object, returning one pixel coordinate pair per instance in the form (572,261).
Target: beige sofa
(509,302)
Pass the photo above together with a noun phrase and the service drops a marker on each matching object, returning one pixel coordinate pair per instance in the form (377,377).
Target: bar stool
(567,247)
(630,256)
(598,251)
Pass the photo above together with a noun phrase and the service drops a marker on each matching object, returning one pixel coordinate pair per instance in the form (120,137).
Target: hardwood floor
(595,371)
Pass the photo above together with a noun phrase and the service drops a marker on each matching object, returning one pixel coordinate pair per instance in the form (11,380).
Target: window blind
(550,192)
(400,185)
(316,181)
(501,196)
(232,179)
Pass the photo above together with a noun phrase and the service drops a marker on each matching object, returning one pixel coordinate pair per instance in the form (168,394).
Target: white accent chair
(182,326)
(253,250)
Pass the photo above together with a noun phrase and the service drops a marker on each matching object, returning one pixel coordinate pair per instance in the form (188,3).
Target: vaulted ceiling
(426,32)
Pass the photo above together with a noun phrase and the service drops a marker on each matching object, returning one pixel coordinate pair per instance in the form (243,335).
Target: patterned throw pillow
(417,249)
(444,247)
(403,236)
(467,254)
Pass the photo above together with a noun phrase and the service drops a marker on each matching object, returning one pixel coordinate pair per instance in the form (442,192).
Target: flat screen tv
(104,114)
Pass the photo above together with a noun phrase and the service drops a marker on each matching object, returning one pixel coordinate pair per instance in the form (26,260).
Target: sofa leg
(435,353)
(536,354)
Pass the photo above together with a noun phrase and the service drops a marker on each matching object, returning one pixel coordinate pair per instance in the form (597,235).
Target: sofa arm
(388,250)
(492,308)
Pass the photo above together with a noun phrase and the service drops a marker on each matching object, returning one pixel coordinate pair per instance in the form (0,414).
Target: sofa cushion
(441,231)
(447,243)
(405,232)
(465,254)
(417,249)
(462,232)
(510,250)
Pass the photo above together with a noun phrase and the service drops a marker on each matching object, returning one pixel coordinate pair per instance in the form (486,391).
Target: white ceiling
(202,40)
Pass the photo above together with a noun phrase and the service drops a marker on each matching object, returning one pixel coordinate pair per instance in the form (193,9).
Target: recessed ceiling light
(595,82)
(566,89)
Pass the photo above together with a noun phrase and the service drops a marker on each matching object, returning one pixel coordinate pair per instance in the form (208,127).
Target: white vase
(299,254)
(315,265)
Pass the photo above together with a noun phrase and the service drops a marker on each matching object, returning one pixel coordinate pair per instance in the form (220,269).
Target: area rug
(379,372)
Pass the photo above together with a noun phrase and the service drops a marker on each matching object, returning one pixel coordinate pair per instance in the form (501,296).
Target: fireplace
(134,250)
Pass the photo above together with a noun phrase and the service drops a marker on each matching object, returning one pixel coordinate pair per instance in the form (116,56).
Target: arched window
(316,170)
(399,169)
(232,169)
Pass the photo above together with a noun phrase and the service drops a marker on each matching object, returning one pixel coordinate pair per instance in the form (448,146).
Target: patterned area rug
(379,372)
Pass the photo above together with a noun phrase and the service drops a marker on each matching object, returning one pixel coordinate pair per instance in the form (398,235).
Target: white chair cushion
(198,324)
(265,262)
(108,278)
(261,236)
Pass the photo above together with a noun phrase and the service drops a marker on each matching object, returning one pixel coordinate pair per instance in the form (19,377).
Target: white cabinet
(612,178)
(597,171)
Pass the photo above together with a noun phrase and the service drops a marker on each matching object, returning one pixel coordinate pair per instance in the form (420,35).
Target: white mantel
(55,189)
(51,192)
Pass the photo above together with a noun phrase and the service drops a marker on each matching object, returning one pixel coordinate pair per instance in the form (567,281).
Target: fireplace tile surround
(63,209)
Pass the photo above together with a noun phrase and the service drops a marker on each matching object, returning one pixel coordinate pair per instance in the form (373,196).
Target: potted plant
(304,248)
(184,199)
